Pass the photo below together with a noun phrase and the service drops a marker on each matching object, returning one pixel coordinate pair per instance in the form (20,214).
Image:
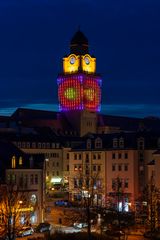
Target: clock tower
(79,87)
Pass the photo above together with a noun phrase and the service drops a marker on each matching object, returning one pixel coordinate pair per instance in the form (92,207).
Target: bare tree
(87,188)
(12,204)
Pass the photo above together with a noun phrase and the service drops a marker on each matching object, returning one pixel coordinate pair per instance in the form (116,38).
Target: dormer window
(98,143)
(121,142)
(115,143)
(88,143)
(141,143)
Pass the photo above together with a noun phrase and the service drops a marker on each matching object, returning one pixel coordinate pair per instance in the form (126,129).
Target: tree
(12,204)
(87,188)
(151,202)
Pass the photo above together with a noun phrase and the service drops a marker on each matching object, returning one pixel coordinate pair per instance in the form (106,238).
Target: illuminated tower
(79,87)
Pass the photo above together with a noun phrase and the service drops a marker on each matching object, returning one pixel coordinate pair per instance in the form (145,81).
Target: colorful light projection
(78,92)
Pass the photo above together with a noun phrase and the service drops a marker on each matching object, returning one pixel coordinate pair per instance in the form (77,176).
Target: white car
(80,225)
(25,231)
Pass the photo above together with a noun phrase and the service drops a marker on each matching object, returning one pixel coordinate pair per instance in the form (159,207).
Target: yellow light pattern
(73,63)
(70,66)
(88,64)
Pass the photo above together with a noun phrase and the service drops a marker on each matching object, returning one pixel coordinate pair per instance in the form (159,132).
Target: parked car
(25,231)
(63,203)
(43,227)
(80,225)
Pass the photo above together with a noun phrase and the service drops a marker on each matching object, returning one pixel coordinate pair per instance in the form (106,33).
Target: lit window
(13,162)
(20,160)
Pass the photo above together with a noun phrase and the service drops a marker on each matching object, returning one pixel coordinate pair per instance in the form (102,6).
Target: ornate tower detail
(79,87)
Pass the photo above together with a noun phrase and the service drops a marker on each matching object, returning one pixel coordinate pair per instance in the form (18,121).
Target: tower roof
(79,43)
(79,38)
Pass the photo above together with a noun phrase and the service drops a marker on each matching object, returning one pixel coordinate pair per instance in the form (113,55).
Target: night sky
(124,35)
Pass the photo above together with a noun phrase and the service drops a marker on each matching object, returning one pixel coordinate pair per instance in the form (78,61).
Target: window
(119,155)
(57,164)
(19,144)
(94,156)
(115,143)
(20,160)
(94,167)
(126,183)
(80,156)
(57,173)
(98,143)
(23,145)
(48,145)
(53,173)
(53,164)
(121,142)
(67,155)
(39,145)
(141,157)
(75,156)
(53,145)
(13,162)
(119,167)
(28,144)
(88,143)
(113,184)
(99,156)
(33,145)
(113,156)
(67,167)
(99,168)
(113,167)
(141,143)
(43,145)
(126,167)
(57,145)
(36,178)
(87,157)
(75,168)
(126,155)
(31,179)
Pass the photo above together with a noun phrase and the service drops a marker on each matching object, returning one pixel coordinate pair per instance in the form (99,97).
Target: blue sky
(123,35)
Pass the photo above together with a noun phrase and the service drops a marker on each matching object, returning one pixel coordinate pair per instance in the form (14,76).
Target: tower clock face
(72,60)
(87,61)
